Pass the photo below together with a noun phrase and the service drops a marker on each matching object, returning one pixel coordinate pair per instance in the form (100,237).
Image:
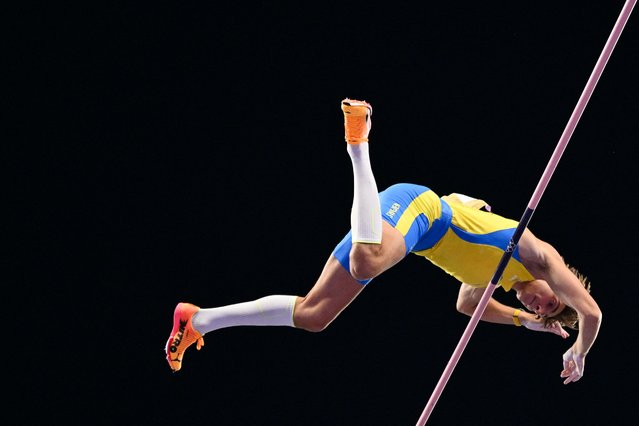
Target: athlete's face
(537,297)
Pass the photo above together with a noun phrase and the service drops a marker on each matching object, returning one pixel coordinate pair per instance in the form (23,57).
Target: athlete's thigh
(393,246)
(333,291)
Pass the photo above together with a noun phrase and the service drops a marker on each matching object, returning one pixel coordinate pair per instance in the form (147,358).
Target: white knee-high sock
(366,220)
(269,310)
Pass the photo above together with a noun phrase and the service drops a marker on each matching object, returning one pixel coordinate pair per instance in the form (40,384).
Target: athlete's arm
(498,313)
(569,290)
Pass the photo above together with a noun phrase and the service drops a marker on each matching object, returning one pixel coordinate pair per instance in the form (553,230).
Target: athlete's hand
(573,366)
(537,324)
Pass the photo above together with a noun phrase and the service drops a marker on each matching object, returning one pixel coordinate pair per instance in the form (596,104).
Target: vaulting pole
(532,205)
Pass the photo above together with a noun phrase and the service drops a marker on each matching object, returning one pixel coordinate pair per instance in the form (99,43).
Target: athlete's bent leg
(332,293)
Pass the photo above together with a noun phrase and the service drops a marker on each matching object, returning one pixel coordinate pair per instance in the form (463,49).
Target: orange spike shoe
(182,336)
(357,120)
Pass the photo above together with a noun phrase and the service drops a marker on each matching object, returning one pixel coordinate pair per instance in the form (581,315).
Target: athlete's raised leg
(376,245)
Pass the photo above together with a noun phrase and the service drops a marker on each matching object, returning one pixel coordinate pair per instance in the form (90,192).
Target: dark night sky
(171,152)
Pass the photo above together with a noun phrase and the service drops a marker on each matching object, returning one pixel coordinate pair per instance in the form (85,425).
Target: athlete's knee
(314,324)
(365,261)
(310,318)
(363,271)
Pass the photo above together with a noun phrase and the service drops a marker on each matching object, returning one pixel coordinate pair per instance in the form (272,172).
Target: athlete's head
(538,297)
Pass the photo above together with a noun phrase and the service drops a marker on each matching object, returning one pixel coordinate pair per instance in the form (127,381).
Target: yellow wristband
(516,317)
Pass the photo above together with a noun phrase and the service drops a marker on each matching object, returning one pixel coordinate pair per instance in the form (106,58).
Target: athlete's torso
(473,245)
(453,234)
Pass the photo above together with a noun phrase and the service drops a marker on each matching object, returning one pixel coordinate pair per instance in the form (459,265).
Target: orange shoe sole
(182,335)
(357,120)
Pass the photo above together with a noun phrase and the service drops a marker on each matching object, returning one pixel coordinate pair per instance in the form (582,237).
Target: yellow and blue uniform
(458,237)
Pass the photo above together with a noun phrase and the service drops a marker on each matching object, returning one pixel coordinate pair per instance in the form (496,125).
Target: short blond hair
(568,317)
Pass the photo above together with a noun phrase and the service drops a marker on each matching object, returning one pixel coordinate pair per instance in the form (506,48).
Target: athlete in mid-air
(456,233)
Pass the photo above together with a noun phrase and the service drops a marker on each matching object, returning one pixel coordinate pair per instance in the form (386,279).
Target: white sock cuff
(276,310)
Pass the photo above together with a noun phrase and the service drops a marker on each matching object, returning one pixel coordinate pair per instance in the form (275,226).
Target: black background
(171,152)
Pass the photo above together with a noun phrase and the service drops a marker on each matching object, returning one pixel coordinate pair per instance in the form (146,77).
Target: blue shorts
(415,210)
